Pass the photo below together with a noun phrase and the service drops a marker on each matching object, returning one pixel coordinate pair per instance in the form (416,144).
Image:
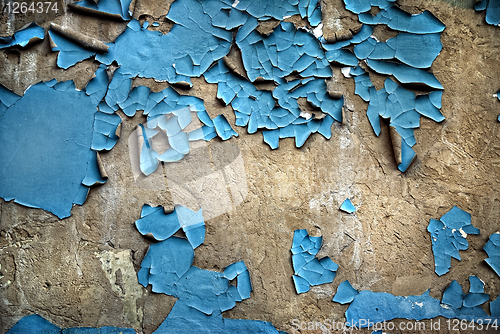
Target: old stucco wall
(81,271)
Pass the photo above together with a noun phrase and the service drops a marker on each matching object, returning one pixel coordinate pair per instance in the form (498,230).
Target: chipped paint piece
(399,20)
(167,266)
(309,270)
(404,73)
(202,294)
(265,9)
(415,50)
(492,8)
(162,226)
(453,295)
(257,110)
(345,293)
(24,37)
(495,308)
(223,128)
(476,295)
(347,206)
(361,6)
(70,53)
(284,51)
(106,132)
(403,110)
(447,240)
(492,248)
(7,98)
(57,142)
(192,57)
(362,82)
(113,9)
(35,324)
(381,306)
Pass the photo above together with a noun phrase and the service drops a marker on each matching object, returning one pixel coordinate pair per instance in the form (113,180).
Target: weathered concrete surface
(80,271)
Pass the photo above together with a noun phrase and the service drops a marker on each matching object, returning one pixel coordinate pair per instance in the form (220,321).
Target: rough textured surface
(79,271)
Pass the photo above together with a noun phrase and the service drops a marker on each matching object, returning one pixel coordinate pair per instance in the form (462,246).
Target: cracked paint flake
(382,306)
(55,147)
(448,237)
(492,8)
(492,248)
(115,9)
(347,206)
(202,294)
(23,37)
(309,270)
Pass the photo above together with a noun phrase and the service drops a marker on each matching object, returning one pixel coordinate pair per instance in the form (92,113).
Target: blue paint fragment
(114,7)
(476,295)
(415,50)
(448,237)
(361,6)
(202,294)
(266,9)
(401,107)
(257,109)
(7,98)
(69,53)
(362,83)
(309,270)
(23,37)
(57,144)
(399,20)
(105,133)
(345,293)
(492,248)
(381,306)
(492,8)
(223,128)
(453,295)
(35,324)
(347,206)
(284,51)
(162,226)
(495,307)
(404,73)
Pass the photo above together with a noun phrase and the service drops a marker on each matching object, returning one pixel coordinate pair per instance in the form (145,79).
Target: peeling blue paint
(347,206)
(492,8)
(56,147)
(202,294)
(381,306)
(492,248)
(448,237)
(23,37)
(309,270)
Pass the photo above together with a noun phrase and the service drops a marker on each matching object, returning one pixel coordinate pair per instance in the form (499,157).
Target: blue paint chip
(223,128)
(59,143)
(492,248)
(347,206)
(35,324)
(115,7)
(447,235)
(345,293)
(23,37)
(309,270)
(492,8)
